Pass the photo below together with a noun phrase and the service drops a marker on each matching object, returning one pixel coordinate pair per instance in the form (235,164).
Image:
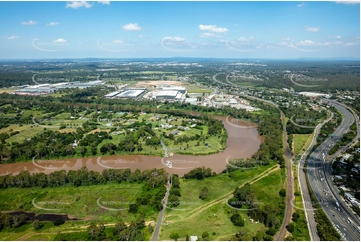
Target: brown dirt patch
(152,83)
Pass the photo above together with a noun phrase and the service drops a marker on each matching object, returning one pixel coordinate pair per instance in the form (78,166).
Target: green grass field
(300,141)
(26,131)
(88,203)
(199,90)
(196,216)
(80,202)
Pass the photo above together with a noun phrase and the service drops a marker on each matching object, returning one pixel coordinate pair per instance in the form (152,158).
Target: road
(45,126)
(164,148)
(319,176)
(288,154)
(161,214)
(33,78)
(307,204)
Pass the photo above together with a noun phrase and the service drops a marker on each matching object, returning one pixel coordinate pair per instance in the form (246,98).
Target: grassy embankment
(300,145)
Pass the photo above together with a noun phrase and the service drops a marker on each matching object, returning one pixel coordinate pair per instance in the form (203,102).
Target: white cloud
(104,2)
(348,2)
(311,43)
(312,29)
(177,39)
(13,37)
(213,28)
(334,37)
(272,47)
(351,43)
(207,35)
(118,41)
(31,22)
(301,5)
(177,44)
(144,37)
(78,4)
(59,41)
(52,24)
(284,43)
(132,27)
(245,39)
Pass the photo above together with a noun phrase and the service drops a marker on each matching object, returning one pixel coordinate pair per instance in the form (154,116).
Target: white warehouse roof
(173,88)
(167,93)
(130,93)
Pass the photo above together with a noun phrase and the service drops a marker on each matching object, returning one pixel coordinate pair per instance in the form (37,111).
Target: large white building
(175,88)
(131,93)
(166,95)
(42,90)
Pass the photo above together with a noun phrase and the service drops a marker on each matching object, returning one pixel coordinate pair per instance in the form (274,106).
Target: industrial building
(192,100)
(34,91)
(112,94)
(166,95)
(130,93)
(47,88)
(175,88)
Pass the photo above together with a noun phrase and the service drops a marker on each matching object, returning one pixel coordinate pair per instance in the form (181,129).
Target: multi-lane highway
(319,176)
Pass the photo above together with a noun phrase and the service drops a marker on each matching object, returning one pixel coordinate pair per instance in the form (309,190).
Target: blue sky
(104,29)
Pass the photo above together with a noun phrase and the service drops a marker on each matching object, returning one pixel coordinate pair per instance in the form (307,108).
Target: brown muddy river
(243,141)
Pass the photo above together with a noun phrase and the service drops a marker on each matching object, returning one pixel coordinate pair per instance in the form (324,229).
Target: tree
(205,235)
(133,208)
(17,221)
(83,151)
(58,222)
(92,230)
(271,231)
(237,220)
(173,200)
(187,237)
(290,227)
(204,193)
(119,227)
(259,236)
(174,236)
(140,223)
(296,216)
(150,229)
(282,193)
(37,225)
(96,232)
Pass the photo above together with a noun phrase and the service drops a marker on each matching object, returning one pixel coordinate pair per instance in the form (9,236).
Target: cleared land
(148,84)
